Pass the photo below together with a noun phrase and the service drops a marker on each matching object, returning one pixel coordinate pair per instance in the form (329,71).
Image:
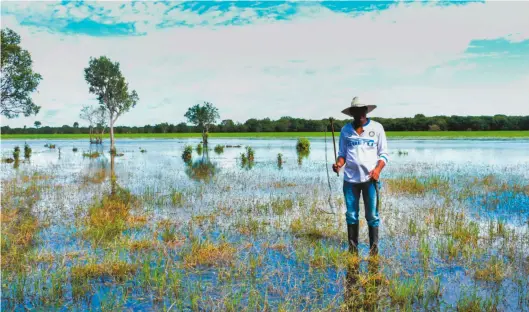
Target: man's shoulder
(376,124)
(346,128)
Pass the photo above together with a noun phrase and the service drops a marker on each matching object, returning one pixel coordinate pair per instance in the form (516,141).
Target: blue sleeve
(382,152)
(342,151)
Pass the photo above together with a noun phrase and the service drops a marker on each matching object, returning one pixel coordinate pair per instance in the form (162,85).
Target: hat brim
(347,111)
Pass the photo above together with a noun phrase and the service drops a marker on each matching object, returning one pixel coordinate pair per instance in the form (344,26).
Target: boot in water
(373,240)
(352,237)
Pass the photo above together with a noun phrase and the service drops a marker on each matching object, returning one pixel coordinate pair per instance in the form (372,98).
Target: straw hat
(356,103)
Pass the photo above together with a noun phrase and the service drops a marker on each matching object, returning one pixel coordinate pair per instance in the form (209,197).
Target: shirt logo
(358,142)
(371,133)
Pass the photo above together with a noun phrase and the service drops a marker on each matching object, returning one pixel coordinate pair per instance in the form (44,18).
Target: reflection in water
(187,154)
(219,149)
(247,160)
(352,288)
(97,170)
(202,169)
(301,155)
(110,216)
(113,178)
(362,293)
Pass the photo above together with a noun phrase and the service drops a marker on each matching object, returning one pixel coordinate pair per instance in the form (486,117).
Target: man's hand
(375,174)
(338,165)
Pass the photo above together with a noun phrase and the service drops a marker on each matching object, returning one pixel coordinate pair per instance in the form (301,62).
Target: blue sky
(277,58)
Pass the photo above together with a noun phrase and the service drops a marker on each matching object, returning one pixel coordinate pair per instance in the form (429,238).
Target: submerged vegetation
(92,154)
(248,158)
(16,153)
(219,149)
(303,145)
(201,234)
(27,151)
(187,154)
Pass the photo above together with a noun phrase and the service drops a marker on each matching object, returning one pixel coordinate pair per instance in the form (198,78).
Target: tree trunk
(205,136)
(101,136)
(112,147)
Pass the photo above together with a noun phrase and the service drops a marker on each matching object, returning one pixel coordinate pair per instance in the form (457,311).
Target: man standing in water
(363,150)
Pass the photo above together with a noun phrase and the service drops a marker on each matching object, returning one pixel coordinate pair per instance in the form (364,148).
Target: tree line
(289,124)
(106,81)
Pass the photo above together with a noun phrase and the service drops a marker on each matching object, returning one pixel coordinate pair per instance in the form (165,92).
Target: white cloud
(248,71)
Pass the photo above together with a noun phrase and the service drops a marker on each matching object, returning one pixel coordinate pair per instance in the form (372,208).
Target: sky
(302,59)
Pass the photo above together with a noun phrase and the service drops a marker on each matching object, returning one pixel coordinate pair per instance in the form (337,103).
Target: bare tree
(97,122)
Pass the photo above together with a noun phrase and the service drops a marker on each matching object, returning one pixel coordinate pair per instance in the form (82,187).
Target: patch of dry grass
(493,270)
(117,269)
(209,254)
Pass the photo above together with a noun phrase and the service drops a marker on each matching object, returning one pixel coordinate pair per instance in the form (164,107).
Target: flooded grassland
(245,229)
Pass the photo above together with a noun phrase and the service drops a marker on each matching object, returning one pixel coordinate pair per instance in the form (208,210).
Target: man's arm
(342,151)
(382,152)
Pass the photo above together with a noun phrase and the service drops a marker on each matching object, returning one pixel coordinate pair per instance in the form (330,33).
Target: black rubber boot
(373,240)
(352,237)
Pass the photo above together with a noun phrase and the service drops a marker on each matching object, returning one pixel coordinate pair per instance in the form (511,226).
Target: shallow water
(160,170)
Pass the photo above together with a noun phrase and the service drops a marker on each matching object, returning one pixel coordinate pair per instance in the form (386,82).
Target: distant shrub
(27,151)
(187,153)
(279,160)
(250,153)
(199,148)
(247,158)
(219,149)
(16,153)
(244,159)
(303,145)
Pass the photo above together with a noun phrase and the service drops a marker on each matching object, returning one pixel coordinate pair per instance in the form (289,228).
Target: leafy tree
(107,82)
(253,125)
(161,128)
(182,128)
(37,124)
(18,79)
(203,116)
(76,124)
(227,125)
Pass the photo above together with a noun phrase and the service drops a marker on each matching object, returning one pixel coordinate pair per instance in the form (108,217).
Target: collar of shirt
(364,127)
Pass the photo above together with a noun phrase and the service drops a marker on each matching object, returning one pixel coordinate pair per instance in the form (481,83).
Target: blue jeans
(352,202)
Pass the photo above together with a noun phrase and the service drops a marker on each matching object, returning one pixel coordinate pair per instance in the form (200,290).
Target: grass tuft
(209,254)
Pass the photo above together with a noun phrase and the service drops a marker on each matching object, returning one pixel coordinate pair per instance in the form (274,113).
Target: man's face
(359,113)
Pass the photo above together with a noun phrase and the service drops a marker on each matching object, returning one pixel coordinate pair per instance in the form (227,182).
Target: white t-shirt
(362,152)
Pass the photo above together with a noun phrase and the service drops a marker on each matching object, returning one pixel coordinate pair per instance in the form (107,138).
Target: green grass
(390,134)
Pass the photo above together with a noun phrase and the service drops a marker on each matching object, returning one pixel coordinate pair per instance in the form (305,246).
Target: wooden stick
(334,143)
